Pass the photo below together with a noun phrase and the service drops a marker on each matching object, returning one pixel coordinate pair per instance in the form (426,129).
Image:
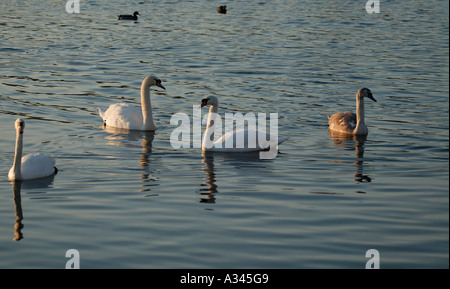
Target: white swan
(243,140)
(348,122)
(31,166)
(126,116)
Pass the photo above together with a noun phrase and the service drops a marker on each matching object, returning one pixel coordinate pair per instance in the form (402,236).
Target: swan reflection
(210,188)
(357,143)
(18,226)
(130,138)
(17,198)
(249,161)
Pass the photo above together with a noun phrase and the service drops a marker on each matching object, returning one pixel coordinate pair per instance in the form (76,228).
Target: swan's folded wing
(123,115)
(343,119)
(245,140)
(37,165)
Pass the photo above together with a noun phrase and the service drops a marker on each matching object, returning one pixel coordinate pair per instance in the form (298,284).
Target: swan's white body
(31,166)
(348,122)
(242,140)
(126,116)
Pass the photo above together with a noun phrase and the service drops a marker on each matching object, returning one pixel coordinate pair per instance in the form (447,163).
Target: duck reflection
(357,143)
(129,138)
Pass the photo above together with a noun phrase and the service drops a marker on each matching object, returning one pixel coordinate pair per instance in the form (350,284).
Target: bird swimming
(235,141)
(222,9)
(348,122)
(31,166)
(126,116)
(129,17)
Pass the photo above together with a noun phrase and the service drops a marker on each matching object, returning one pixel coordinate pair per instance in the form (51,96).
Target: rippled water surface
(131,200)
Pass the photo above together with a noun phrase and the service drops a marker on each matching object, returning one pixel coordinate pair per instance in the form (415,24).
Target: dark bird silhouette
(222,9)
(129,17)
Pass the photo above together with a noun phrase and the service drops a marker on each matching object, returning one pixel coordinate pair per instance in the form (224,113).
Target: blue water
(131,200)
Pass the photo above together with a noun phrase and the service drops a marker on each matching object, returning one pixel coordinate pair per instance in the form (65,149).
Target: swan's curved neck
(16,168)
(209,132)
(360,125)
(146,104)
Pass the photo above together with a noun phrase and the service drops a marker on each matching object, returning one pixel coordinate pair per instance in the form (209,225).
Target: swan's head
(19,125)
(365,92)
(136,13)
(209,100)
(153,80)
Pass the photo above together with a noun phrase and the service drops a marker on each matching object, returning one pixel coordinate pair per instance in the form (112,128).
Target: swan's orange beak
(160,85)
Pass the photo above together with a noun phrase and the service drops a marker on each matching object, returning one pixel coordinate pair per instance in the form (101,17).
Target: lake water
(131,200)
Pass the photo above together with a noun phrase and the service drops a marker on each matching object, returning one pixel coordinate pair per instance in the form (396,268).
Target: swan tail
(280,141)
(102,115)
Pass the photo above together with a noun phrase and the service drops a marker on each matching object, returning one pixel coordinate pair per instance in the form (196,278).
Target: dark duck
(129,17)
(222,9)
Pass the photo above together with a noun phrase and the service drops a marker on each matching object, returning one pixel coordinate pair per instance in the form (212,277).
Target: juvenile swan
(31,166)
(243,140)
(126,116)
(348,122)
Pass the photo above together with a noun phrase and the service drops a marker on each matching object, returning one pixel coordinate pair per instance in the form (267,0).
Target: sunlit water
(131,200)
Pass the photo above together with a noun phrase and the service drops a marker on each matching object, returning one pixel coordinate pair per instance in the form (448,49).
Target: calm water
(130,200)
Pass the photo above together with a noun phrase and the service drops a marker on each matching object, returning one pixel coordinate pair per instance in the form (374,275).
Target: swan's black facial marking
(204,102)
(370,96)
(21,126)
(158,83)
